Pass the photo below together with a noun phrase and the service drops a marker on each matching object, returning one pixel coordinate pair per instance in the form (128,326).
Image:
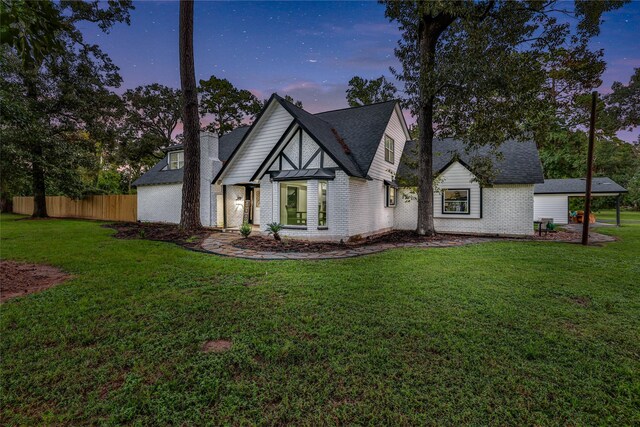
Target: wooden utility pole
(587,197)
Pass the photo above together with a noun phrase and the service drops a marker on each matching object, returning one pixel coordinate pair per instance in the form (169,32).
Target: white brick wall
(507,210)
(160,203)
(367,211)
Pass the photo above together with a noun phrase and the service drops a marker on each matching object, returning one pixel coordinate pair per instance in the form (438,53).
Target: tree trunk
(427,46)
(190,214)
(429,30)
(37,163)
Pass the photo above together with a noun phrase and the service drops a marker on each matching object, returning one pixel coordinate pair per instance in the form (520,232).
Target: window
(322,203)
(390,196)
(176,160)
(389,149)
(293,203)
(455,201)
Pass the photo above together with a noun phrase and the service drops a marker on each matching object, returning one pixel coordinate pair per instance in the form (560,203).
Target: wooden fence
(111,208)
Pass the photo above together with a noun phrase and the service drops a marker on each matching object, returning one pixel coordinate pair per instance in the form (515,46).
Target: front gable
(456,176)
(297,151)
(256,145)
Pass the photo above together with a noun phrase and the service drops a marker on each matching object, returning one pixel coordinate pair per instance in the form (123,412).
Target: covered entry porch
(551,199)
(238,204)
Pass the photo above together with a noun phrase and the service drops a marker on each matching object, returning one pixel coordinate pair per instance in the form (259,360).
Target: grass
(626,216)
(497,333)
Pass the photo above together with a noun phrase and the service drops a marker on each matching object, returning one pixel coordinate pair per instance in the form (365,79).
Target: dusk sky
(308,50)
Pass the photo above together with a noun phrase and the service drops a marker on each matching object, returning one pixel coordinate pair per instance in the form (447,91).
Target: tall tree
(363,92)
(190,213)
(624,102)
(45,37)
(474,70)
(153,110)
(152,113)
(228,105)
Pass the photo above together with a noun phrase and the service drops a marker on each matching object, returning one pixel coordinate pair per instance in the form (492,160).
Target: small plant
(245,230)
(274,228)
(142,233)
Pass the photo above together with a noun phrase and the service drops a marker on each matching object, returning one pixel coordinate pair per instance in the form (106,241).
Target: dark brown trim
(318,151)
(244,138)
(317,141)
(300,151)
(284,156)
(274,150)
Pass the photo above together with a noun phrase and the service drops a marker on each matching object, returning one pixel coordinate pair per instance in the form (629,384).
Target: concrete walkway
(221,244)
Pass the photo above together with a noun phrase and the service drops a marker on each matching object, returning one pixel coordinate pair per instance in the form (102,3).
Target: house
(551,198)
(332,176)
(461,203)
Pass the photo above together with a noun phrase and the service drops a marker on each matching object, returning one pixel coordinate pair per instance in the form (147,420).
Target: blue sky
(308,50)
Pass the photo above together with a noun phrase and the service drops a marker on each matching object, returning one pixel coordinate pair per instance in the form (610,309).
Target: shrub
(274,228)
(245,230)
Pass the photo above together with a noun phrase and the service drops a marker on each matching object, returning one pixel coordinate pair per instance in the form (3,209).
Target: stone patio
(221,244)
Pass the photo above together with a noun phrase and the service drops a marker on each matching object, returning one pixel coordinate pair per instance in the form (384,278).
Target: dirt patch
(160,232)
(581,301)
(17,279)
(217,346)
(269,244)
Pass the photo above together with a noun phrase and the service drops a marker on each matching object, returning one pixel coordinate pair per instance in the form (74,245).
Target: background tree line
(63,129)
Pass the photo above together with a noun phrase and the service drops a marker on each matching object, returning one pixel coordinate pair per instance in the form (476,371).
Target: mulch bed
(269,244)
(557,235)
(161,232)
(18,279)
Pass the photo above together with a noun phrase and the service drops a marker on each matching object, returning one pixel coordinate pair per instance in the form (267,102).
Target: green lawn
(609,215)
(504,333)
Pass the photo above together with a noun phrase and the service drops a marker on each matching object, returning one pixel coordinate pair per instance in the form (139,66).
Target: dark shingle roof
(351,135)
(519,162)
(230,141)
(578,186)
(156,175)
(361,128)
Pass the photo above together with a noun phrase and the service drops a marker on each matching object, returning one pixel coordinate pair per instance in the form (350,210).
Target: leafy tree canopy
(228,105)
(363,92)
(476,70)
(64,108)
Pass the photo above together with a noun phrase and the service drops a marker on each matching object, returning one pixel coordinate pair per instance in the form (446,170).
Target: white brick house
(332,176)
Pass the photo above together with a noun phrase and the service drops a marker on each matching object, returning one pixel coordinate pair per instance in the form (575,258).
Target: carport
(551,199)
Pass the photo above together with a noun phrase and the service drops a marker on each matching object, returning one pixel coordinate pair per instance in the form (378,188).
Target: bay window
(293,203)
